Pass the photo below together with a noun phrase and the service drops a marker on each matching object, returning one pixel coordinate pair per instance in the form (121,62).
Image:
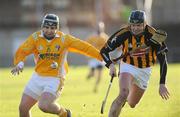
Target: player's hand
(54,65)
(17,69)
(159,36)
(112,71)
(163,92)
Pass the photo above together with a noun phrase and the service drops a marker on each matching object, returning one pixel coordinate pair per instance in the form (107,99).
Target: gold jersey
(51,56)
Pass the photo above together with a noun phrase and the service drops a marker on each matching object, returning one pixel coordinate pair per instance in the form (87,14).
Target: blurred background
(20,18)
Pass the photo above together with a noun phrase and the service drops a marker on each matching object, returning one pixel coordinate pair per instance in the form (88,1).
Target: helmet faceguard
(50,20)
(136,19)
(137,16)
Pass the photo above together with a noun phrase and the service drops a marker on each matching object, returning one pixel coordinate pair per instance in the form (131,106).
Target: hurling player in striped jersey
(135,68)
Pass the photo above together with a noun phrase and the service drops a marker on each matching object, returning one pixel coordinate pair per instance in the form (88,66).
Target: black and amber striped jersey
(129,42)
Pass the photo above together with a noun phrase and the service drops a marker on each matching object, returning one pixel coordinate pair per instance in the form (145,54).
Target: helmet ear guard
(50,20)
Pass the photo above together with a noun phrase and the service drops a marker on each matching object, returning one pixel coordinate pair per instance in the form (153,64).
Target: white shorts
(40,84)
(93,63)
(141,75)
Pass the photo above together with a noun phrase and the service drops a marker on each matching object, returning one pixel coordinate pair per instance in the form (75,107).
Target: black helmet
(137,16)
(50,20)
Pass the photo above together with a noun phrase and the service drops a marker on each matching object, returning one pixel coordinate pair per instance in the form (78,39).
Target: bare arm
(163,91)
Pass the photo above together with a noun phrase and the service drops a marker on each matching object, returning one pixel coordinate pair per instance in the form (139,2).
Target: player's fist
(159,36)
(112,71)
(54,65)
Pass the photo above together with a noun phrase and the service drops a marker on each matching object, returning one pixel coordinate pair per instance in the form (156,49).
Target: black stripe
(124,59)
(139,62)
(147,36)
(153,59)
(131,61)
(130,42)
(147,60)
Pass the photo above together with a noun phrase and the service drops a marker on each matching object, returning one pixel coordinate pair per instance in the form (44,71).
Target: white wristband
(20,64)
(103,62)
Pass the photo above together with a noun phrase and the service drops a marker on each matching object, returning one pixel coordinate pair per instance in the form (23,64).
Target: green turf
(79,97)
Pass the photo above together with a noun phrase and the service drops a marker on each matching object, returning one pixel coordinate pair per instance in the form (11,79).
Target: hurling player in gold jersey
(50,48)
(135,69)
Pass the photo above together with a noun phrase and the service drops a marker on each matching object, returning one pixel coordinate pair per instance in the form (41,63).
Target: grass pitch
(79,97)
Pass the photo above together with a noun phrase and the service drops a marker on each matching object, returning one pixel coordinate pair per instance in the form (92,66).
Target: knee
(23,108)
(124,93)
(43,106)
(132,105)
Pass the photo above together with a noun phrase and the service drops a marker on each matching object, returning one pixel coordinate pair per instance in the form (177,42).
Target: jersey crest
(35,36)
